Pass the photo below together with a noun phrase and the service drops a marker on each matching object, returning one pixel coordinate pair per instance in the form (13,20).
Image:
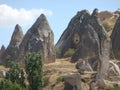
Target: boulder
(115,37)
(88,37)
(72,81)
(38,38)
(11,52)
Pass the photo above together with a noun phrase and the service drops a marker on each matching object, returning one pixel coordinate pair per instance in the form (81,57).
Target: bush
(58,52)
(106,26)
(8,85)
(59,79)
(13,73)
(69,53)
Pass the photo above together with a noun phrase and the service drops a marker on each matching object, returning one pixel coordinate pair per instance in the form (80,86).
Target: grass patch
(116,88)
(59,79)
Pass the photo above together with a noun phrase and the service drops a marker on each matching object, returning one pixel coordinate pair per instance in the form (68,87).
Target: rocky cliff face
(11,52)
(38,38)
(115,37)
(87,36)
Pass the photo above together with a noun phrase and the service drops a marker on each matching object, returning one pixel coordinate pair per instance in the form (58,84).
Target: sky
(58,13)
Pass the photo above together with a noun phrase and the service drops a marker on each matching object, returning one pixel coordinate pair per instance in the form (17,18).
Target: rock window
(76,38)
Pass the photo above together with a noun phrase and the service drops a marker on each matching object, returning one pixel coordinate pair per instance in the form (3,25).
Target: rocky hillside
(108,19)
(90,66)
(39,38)
(62,75)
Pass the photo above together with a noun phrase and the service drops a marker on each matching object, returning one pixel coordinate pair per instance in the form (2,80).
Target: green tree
(34,69)
(13,73)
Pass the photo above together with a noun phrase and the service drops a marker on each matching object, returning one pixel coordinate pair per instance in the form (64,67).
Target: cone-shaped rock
(115,39)
(2,50)
(16,37)
(87,36)
(39,38)
(11,52)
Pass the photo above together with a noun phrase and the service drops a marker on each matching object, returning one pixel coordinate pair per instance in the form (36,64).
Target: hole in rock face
(76,38)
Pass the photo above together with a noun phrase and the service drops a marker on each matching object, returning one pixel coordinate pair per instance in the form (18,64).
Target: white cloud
(11,16)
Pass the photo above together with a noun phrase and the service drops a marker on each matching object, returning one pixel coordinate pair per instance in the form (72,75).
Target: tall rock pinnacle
(13,47)
(86,35)
(16,37)
(2,50)
(39,38)
(115,40)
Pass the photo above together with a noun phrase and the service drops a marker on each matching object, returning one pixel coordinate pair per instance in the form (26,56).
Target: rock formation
(11,53)
(2,50)
(38,38)
(72,81)
(87,36)
(115,37)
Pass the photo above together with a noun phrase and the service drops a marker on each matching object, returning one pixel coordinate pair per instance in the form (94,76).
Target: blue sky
(58,13)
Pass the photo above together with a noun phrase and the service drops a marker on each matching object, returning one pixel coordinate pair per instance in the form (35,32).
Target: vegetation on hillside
(15,77)
(34,69)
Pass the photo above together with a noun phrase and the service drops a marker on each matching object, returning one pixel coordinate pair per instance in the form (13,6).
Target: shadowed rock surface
(2,50)
(115,39)
(38,38)
(87,36)
(11,52)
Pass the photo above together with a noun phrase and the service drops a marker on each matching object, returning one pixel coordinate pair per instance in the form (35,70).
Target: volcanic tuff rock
(87,36)
(38,38)
(115,39)
(11,52)
(2,50)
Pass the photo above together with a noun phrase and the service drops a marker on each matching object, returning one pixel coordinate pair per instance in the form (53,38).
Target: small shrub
(106,26)
(45,81)
(57,50)
(69,53)
(59,79)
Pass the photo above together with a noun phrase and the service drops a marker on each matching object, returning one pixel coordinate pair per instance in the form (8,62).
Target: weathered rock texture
(87,36)
(115,40)
(38,38)
(72,81)
(11,53)
(2,50)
